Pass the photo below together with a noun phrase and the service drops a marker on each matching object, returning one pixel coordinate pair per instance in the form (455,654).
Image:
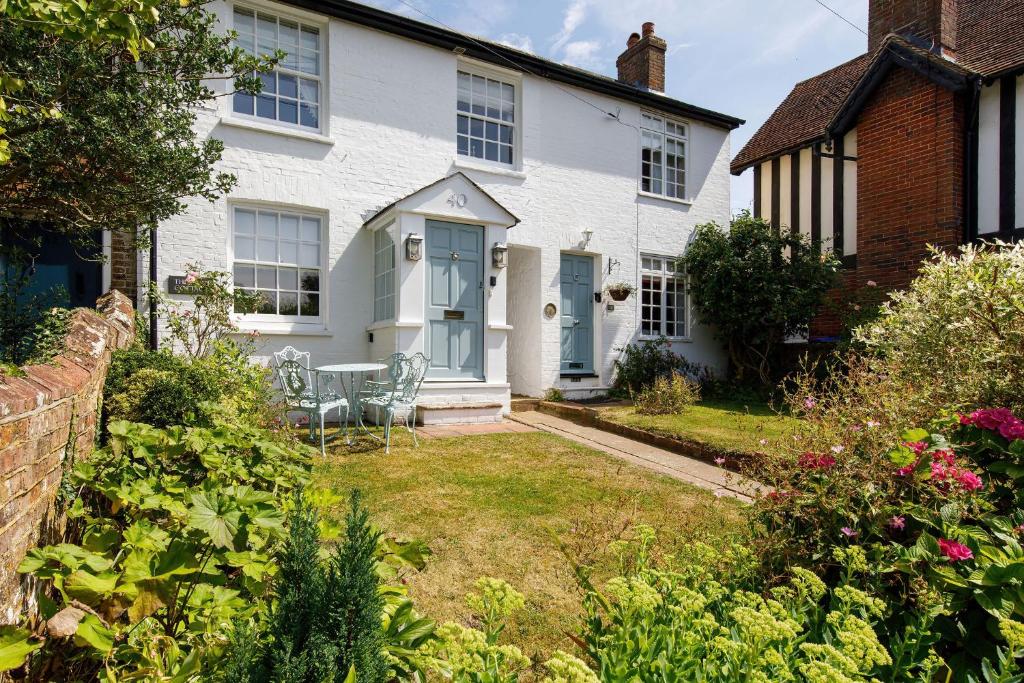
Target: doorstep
(459,412)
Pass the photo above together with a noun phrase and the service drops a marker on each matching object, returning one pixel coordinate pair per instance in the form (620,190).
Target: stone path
(721,481)
(441,431)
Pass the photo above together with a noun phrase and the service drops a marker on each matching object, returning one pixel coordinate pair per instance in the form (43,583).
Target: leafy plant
(554,395)
(755,286)
(32,325)
(160,389)
(179,527)
(668,396)
(643,362)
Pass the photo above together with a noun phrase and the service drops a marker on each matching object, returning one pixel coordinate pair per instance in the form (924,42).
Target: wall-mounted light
(414,247)
(588,235)
(499,255)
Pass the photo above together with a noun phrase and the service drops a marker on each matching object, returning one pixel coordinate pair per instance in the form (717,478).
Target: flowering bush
(939,515)
(694,616)
(668,396)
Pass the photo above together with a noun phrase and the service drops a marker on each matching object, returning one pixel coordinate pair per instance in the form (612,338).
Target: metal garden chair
(305,391)
(399,393)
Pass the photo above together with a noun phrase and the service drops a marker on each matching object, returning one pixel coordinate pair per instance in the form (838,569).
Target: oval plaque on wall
(550,310)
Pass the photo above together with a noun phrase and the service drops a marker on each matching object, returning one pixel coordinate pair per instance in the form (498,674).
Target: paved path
(721,481)
(441,431)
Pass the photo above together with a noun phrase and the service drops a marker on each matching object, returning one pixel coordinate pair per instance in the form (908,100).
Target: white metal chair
(307,392)
(399,393)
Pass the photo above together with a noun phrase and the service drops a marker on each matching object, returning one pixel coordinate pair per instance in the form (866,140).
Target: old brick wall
(46,417)
(124,270)
(910,185)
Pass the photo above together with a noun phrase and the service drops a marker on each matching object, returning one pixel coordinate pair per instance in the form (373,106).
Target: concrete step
(445,412)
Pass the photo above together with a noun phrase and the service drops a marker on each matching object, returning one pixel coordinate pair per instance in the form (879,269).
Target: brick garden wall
(45,417)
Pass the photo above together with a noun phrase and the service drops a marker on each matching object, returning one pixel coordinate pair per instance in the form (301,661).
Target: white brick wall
(392,123)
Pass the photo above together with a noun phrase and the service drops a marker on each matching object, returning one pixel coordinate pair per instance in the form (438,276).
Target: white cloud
(583,53)
(575,13)
(516,40)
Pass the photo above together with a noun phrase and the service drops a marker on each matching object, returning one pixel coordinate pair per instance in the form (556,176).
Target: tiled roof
(990,36)
(989,42)
(803,116)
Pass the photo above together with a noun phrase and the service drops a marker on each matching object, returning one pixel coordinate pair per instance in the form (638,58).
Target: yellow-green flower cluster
(494,598)
(466,651)
(761,626)
(853,558)
(854,597)
(1013,632)
(807,584)
(633,593)
(564,668)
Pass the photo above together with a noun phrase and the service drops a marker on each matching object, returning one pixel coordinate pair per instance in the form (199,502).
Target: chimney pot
(642,64)
(648,28)
(633,39)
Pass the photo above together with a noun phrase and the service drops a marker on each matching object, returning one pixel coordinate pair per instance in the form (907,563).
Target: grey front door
(577,314)
(455,300)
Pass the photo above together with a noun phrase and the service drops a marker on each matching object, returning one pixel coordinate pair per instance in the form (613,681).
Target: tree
(755,286)
(115,147)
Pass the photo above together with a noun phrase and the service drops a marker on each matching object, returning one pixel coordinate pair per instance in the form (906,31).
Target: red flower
(992,418)
(1012,429)
(916,446)
(945,455)
(969,480)
(815,461)
(954,550)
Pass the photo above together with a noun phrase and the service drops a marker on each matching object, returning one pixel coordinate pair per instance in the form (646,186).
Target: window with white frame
(292,92)
(383,275)
(663,156)
(663,299)
(277,255)
(485,118)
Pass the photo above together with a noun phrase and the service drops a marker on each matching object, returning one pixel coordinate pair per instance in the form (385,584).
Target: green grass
(501,505)
(730,425)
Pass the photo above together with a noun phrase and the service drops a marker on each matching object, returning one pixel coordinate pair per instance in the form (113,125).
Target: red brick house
(917,142)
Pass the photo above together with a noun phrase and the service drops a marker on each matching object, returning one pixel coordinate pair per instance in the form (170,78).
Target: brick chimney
(643,62)
(933,21)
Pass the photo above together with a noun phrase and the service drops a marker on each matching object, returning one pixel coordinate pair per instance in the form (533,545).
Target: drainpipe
(970,227)
(152,289)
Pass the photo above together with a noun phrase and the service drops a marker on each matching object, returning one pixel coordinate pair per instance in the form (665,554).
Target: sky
(739,57)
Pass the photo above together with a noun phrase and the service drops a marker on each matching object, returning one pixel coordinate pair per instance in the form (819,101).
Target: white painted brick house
(380,134)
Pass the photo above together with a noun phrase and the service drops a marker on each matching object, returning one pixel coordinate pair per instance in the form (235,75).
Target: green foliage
(179,528)
(32,326)
(755,286)
(695,616)
(99,105)
(642,362)
(668,396)
(160,389)
(198,325)
(957,334)
(554,395)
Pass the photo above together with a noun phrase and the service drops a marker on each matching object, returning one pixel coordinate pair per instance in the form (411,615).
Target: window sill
(274,329)
(508,172)
(674,340)
(671,200)
(234,122)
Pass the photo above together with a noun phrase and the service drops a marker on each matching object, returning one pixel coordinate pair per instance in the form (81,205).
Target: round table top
(353,367)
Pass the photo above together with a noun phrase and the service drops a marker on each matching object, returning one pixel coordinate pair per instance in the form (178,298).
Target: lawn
(729,425)
(501,505)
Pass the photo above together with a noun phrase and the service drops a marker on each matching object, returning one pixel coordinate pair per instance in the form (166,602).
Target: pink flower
(945,455)
(849,533)
(871,283)
(254,333)
(897,522)
(810,402)
(955,550)
(966,419)
(991,418)
(939,472)
(917,446)
(871,424)
(969,480)
(190,277)
(856,307)
(719,460)
(815,461)
(906,470)
(855,428)
(1012,430)
(837,449)
(763,442)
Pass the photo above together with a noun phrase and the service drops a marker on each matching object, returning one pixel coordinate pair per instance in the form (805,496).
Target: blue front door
(455,300)
(577,314)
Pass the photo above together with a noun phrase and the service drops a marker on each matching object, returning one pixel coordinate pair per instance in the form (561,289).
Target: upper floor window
(486,118)
(277,254)
(292,92)
(383,275)
(663,300)
(662,156)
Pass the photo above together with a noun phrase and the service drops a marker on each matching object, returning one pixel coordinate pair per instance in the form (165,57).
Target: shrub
(697,615)
(178,532)
(755,286)
(642,362)
(160,389)
(957,335)
(668,396)
(554,395)
(32,325)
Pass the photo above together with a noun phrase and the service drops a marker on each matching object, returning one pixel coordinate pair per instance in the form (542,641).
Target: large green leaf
(90,588)
(93,633)
(216,515)
(15,647)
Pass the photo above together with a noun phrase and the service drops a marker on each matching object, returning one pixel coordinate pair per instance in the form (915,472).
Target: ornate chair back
(294,375)
(412,370)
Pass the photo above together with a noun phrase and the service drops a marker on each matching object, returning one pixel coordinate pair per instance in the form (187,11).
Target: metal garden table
(356,377)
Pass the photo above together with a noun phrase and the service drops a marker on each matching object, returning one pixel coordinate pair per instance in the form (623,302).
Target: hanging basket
(620,293)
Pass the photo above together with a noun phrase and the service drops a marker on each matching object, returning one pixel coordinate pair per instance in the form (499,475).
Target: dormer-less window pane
(245,222)
(288,278)
(282,92)
(485,118)
(266,250)
(245,248)
(267,224)
(288,252)
(309,254)
(662,156)
(310,229)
